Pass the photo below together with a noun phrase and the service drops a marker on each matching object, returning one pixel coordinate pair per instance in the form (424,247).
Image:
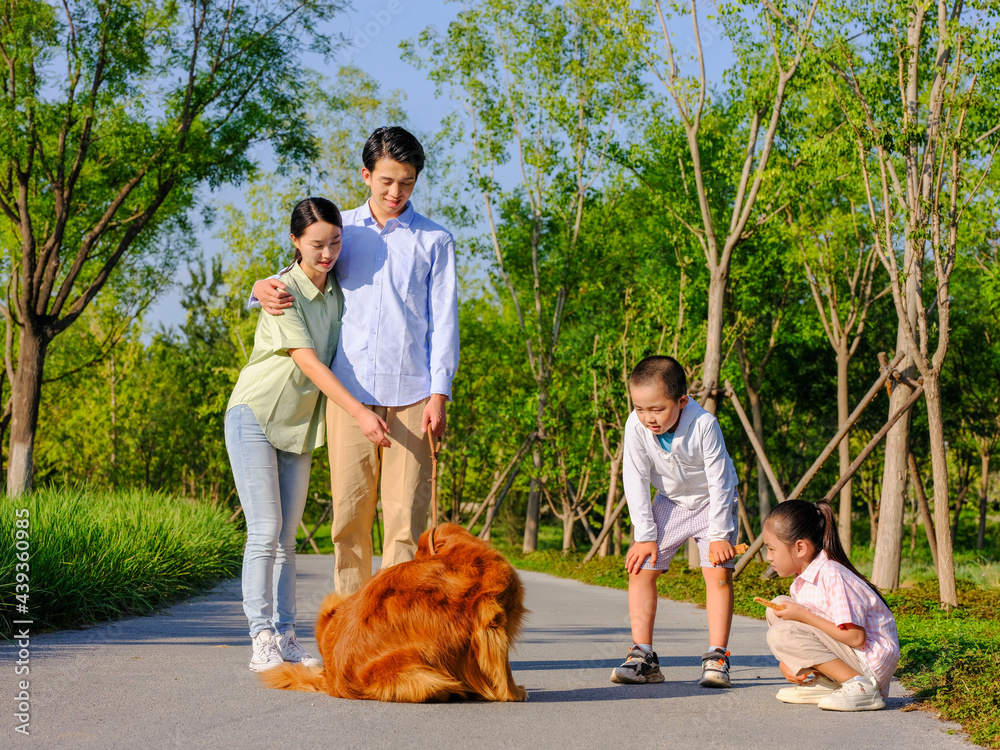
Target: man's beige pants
(357,468)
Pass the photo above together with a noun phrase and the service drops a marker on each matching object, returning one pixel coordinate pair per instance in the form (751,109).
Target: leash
(434,504)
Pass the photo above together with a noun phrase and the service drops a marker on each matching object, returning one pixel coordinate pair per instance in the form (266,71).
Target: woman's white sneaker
(290,650)
(810,691)
(853,695)
(265,652)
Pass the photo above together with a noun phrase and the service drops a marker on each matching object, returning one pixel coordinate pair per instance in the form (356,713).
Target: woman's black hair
(798,519)
(309,211)
(395,143)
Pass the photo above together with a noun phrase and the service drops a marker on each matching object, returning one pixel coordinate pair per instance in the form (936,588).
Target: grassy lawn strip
(98,556)
(950,659)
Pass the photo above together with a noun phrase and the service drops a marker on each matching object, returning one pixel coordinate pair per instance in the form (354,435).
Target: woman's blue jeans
(272,485)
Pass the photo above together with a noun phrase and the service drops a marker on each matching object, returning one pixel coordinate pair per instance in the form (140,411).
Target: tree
(765,92)
(542,84)
(840,264)
(102,153)
(910,82)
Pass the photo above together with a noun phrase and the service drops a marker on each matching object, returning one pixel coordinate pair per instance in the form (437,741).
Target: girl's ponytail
(798,519)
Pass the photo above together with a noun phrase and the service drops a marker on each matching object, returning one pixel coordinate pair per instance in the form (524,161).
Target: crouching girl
(835,638)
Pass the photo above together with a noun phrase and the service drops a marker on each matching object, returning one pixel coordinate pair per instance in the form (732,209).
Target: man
(398,354)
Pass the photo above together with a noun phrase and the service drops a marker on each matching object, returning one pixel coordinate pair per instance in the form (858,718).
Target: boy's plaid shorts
(675,524)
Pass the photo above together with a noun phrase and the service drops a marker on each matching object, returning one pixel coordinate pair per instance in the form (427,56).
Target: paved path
(180,679)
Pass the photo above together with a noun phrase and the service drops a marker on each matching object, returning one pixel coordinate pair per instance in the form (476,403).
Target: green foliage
(98,555)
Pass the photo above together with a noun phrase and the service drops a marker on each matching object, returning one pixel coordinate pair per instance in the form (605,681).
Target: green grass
(98,555)
(950,659)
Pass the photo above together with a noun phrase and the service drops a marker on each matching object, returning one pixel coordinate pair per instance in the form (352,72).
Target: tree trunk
(568,522)
(925,508)
(939,463)
(534,504)
(844,449)
(763,485)
(609,504)
(888,544)
(959,504)
(984,478)
(713,339)
(27,393)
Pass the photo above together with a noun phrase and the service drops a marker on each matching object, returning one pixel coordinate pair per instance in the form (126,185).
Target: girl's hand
(374,428)
(792,611)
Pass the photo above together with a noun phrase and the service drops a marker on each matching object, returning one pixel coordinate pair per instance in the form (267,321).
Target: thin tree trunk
(925,508)
(609,504)
(984,479)
(534,504)
(763,485)
(959,504)
(713,342)
(844,449)
(939,464)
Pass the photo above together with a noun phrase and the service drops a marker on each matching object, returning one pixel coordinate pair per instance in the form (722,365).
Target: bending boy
(675,446)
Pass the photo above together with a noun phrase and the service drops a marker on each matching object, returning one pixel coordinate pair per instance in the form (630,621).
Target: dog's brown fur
(438,626)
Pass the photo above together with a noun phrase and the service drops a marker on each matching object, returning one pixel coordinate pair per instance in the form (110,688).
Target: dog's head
(444,538)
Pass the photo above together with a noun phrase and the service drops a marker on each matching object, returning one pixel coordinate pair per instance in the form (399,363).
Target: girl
(836,625)
(274,421)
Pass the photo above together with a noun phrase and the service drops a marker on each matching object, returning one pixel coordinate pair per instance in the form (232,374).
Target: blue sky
(374,30)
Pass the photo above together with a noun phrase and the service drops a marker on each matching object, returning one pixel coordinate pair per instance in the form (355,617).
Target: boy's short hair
(395,143)
(664,370)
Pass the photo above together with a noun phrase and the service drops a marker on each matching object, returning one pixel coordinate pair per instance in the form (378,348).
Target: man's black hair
(394,143)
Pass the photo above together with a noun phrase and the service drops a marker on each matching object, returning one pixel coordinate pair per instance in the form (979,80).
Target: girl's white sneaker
(810,691)
(853,695)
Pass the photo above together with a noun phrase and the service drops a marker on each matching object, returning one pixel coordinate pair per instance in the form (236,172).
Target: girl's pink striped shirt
(832,592)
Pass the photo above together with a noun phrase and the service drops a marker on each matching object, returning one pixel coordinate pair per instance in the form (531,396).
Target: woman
(274,421)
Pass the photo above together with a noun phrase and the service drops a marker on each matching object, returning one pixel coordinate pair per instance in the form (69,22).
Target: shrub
(102,555)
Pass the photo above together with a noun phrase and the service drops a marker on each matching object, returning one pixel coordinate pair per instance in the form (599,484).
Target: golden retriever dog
(441,625)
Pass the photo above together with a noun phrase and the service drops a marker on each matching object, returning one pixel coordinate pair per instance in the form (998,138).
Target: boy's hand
(720,552)
(637,554)
(272,296)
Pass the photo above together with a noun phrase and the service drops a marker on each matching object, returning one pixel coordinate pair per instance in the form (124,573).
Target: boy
(676,446)
(398,354)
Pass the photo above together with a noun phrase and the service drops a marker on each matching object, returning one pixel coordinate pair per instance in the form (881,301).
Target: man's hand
(720,552)
(272,295)
(637,554)
(434,414)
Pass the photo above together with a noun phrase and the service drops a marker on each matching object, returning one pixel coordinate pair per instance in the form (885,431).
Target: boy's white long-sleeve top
(695,472)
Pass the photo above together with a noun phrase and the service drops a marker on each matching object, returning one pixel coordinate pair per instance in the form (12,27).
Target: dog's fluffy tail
(295,677)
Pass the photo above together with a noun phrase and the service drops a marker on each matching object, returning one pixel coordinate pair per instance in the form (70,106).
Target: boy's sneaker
(810,691)
(290,650)
(853,695)
(715,669)
(265,652)
(640,667)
